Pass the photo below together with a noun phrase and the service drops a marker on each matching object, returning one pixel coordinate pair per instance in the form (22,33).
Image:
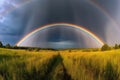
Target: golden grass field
(59,65)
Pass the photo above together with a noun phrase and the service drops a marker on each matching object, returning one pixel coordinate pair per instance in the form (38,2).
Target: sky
(20,17)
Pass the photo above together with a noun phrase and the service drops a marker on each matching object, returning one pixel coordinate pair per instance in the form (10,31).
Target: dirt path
(57,70)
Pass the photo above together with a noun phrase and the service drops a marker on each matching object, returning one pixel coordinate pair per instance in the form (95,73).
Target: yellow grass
(59,65)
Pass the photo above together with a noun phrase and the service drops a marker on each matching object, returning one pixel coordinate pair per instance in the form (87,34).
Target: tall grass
(25,65)
(93,65)
(59,65)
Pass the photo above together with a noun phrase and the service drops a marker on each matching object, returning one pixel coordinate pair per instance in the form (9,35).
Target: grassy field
(59,65)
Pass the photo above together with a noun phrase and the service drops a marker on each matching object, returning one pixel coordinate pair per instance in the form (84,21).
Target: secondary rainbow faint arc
(65,24)
(99,7)
(95,4)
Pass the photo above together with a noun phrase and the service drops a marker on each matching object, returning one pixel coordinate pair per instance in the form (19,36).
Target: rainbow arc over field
(60,24)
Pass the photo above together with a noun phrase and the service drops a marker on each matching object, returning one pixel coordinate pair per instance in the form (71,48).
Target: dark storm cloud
(77,12)
(61,33)
(60,11)
(9,39)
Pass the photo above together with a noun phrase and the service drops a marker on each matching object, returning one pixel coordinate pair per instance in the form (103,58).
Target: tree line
(26,48)
(105,47)
(4,46)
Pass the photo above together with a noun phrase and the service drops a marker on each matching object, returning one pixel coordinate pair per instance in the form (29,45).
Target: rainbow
(56,24)
(104,11)
(93,3)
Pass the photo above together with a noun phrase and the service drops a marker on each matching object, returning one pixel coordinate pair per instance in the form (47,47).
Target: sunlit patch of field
(25,65)
(74,64)
(93,65)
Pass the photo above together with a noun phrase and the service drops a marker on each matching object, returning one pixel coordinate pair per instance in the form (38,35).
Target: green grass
(86,64)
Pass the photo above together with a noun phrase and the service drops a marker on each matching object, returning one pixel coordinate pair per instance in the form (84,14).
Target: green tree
(119,45)
(1,45)
(7,45)
(116,46)
(105,47)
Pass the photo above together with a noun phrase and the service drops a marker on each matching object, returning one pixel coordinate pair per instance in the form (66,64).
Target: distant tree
(105,47)
(116,46)
(15,47)
(119,45)
(7,45)
(1,45)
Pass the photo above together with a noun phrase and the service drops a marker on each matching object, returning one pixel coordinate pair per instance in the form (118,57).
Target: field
(59,65)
